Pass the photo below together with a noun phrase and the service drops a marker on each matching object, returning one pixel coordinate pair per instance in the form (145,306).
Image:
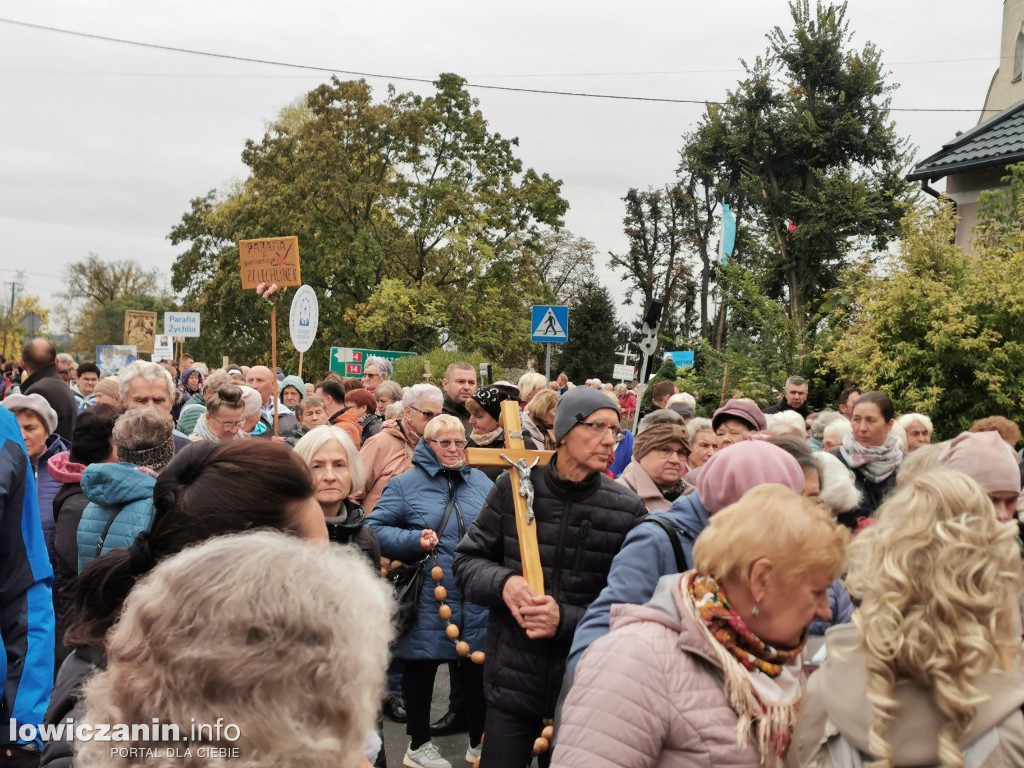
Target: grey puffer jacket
(580,528)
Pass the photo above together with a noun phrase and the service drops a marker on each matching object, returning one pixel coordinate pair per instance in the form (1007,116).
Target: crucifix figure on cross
(520,462)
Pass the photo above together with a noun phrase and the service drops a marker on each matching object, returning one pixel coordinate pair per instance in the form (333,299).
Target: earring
(756,611)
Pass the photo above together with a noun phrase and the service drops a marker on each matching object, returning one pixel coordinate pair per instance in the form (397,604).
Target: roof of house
(999,141)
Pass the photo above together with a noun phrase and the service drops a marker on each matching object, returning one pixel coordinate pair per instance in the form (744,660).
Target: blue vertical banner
(728,240)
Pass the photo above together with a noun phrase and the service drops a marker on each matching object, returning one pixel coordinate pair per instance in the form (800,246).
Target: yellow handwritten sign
(270,260)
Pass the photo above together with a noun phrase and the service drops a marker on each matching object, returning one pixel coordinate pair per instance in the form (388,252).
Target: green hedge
(409,370)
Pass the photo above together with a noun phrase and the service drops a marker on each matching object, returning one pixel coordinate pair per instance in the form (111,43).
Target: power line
(402,78)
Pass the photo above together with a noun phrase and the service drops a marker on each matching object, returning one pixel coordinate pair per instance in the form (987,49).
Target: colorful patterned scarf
(766,706)
(732,632)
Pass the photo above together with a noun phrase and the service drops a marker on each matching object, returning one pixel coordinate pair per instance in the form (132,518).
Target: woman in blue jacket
(121,495)
(408,520)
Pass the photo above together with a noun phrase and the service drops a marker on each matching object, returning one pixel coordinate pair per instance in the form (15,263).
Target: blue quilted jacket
(120,508)
(415,500)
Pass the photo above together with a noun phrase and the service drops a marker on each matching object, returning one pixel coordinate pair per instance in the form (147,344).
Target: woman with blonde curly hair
(293,663)
(930,671)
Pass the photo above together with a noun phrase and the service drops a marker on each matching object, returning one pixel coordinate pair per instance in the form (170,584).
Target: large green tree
(416,226)
(937,328)
(806,148)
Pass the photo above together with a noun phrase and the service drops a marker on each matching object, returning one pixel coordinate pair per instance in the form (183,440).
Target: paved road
(452,748)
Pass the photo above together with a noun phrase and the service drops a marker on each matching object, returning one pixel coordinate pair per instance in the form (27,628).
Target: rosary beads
(445,612)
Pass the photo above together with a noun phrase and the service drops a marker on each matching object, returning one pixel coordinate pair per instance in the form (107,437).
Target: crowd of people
(754,586)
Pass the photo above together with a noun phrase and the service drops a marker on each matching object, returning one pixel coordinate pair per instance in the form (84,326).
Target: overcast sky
(103,144)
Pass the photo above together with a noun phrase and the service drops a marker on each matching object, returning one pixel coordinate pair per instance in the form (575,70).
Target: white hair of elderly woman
(838,487)
(786,423)
(837,429)
(418,393)
(697,424)
(909,418)
(683,397)
(386,368)
(315,439)
(183,654)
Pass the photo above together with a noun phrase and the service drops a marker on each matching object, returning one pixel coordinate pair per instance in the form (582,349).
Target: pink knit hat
(733,471)
(986,459)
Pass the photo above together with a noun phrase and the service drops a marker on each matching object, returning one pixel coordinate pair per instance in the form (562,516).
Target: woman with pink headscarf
(650,549)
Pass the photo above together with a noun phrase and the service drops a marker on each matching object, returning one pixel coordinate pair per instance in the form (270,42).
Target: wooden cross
(515,450)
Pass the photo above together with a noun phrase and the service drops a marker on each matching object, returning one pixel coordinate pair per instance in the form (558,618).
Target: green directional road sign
(349,361)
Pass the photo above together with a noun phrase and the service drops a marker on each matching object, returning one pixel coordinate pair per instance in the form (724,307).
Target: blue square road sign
(550,324)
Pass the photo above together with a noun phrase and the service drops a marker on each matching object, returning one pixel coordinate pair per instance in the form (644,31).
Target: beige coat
(385,455)
(835,717)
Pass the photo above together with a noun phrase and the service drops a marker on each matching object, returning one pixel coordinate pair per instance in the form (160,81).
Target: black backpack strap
(673,537)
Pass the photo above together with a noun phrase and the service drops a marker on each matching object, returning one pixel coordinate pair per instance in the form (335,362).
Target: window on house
(1018,56)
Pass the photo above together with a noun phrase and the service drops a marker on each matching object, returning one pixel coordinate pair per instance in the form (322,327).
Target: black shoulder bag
(673,536)
(407,580)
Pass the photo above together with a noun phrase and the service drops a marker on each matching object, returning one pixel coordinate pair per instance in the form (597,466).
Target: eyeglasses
(665,453)
(598,429)
(229,424)
(446,444)
(428,414)
(371,375)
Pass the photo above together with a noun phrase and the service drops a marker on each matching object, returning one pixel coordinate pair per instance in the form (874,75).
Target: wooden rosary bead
(436,573)
(540,746)
(452,631)
(548,732)
(477,657)
(440,593)
(445,611)
(462,648)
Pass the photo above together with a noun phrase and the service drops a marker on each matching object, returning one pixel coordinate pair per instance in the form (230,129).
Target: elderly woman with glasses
(389,452)
(376,370)
(422,515)
(659,462)
(224,417)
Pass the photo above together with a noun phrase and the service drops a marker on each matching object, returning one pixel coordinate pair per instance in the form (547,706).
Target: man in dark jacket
(459,385)
(793,399)
(40,360)
(582,518)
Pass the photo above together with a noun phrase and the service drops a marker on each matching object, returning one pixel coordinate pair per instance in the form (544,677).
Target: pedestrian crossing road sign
(550,324)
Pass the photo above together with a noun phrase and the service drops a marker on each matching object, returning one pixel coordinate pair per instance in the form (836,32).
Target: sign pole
(547,362)
(273,358)
(640,390)
(300,366)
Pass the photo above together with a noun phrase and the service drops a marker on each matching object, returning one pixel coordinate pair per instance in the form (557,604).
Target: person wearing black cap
(484,408)
(581,519)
